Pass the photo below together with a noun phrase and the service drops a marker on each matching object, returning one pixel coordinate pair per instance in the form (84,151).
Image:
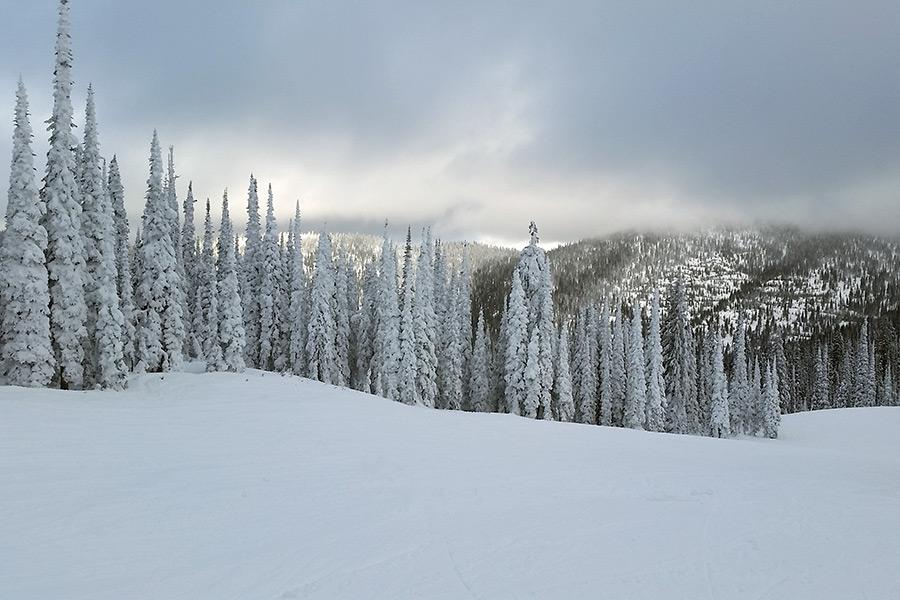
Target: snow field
(260,486)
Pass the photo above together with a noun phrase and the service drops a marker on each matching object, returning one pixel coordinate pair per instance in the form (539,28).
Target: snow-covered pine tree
(104,362)
(635,376)
(739,392)
(887,387)
(407,389)
(680,364)
(192,347)
(426,326)
(706,348)
(605,358)
(270,279)
(229,352)
(756,400)
(124,283)
(283,302)
(463,308)
(365,329)
(206,312)
(299,300)
(62,221)
(450,371)
(617,372)
(386,354)
(171,194)
(343,273)
(158,294)
(534,271)
(863,383)
(719,419)
(532,377)
(516,344)
(771,403)
(656,385)
(24,296)
(820,394)
(584,372)
(480,383)
(562,388)
(321,351)
(250,276)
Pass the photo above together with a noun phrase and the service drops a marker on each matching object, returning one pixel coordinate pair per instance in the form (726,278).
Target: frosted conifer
(158,295)
(321,351)
(719,420)
(426,326)
(298,315)
(24,295)
(124,282)
(228,354)
(635,376)
(62,221)
(250,276)
(605,353)
(104,363)
(771,404)
(739,393)
(680,364)
(656,385)
(480,383)
(206,311)
(516,348)
(565,405)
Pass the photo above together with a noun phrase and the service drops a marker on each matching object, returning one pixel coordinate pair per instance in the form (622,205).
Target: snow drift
(260,486)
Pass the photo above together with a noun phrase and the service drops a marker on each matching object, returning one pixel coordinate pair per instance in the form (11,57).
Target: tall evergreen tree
(270,280)
(386,355)
(516,344)
(584,374)
(739,393)
(720,419)
(229,352)
(104,362)
(124,282)
(298,314)
(206,306)
(565,405)
(24,295)
(407,389)
(158,295)
(366,329)
(62,221)
(342,284)
(656,385)
(863,382)
(321,351)
(426,327)
(480,385)
(820,397)
(250,276)
(635,375)
(534,271)
(617,374)
(680,364)
(771,403)
(605,352)
(189,260)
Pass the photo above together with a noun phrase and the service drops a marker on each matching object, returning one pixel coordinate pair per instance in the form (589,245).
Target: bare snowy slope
(260,486)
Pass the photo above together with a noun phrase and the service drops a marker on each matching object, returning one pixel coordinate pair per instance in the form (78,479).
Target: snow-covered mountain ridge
(257,485)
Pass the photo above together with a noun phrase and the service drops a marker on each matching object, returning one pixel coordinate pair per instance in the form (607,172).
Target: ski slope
(261,486)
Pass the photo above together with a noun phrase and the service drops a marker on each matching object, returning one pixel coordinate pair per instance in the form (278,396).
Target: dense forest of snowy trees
(81,306)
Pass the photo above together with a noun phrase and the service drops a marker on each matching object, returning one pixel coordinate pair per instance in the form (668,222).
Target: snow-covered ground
(260,486)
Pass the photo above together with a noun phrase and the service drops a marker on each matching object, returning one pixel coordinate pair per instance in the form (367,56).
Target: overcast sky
(477,117)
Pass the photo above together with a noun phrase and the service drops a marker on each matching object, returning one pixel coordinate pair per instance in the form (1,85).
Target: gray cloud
(586,116)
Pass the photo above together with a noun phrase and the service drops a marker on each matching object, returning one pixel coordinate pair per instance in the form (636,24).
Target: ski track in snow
(254,485)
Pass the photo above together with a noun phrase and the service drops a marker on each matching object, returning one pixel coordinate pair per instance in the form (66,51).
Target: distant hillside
(804,282)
